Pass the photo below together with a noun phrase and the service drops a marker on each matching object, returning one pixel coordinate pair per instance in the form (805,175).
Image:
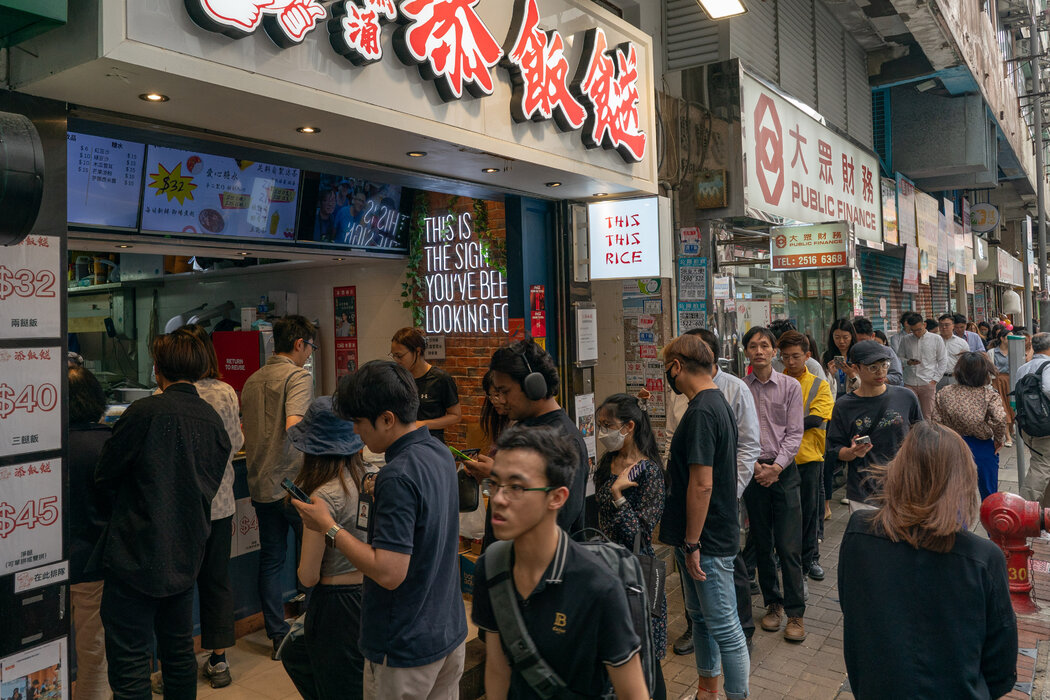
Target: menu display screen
(355,212)
(103,180)
(192,192)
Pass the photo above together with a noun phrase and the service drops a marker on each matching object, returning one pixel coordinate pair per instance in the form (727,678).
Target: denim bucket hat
(322,432)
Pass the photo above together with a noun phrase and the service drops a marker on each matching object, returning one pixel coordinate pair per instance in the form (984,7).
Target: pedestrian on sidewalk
(1038,474)
(998,353)
(954,348)
(841,337)
(924,358)
(968,332)
(866,331)
(971,407)
(773,499)
(925,603)
(700,517)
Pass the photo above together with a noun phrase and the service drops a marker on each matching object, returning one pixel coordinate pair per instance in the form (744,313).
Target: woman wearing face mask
(439,406)
(630,506)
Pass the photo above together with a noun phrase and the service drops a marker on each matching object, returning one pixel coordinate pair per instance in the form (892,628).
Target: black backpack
(1032,409)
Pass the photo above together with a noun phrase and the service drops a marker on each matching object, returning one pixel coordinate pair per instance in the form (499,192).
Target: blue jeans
(718,639)
(274,520)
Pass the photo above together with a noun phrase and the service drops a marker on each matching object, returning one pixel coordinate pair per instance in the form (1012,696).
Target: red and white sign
(30,406)
(238,354)
(30,306)
(345,356)
(820,246)
(624,239)
(30,515)
(799,169)
(286,22)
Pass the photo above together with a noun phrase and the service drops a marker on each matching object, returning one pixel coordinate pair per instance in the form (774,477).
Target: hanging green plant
(412,288)
(493,249)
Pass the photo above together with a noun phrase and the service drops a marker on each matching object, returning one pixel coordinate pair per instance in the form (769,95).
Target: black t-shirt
(437,393)
(706,435)
(922,624)
(577,616)
(570,517)
(853,415)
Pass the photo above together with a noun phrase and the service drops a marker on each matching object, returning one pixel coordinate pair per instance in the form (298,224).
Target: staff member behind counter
(439,406)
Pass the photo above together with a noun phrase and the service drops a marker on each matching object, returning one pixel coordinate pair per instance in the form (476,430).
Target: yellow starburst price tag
(172,183)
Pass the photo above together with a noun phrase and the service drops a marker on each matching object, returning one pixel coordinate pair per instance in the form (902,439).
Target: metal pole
(1040,179)
(1015,351)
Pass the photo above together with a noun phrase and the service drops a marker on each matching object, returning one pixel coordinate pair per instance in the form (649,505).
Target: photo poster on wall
(345,303)
(345,356)
(40,672)
(585,422)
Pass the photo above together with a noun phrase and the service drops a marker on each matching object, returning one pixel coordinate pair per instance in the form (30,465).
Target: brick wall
(467,355)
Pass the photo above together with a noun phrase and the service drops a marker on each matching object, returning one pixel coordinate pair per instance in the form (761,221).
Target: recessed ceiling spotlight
(601,194)
(153,97)
(553,184)
(338,259)
(416,154)
(308,130)
(123,245)
(490,170)
(242,253)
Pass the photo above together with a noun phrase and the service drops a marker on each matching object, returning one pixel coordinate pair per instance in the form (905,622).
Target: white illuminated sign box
(625,240)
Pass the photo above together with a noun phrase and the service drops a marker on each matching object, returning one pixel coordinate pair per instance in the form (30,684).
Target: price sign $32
(42,511)
(26,283)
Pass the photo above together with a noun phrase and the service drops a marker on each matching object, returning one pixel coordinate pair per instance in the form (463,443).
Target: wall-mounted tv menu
(355,212)
(103,180)
(194,192)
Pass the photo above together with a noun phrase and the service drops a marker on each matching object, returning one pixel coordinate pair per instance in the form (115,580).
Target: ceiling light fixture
(338,259)
(601,194)
(416,154)
(308,130)
(490,170)
(553,184)
(241,253)
(123,245)
(721,9)
(153,97)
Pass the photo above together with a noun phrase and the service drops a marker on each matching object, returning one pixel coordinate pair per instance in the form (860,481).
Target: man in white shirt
(924,358)
(895,339)
(1038,474)
(954,347)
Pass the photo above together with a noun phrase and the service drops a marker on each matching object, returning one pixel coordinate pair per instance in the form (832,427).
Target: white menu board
(30,405)
(103,180)
(30,515)
(196,193)
(30,288)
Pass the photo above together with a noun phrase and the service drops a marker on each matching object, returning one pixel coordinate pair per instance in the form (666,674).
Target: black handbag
(469,492)
(655,571)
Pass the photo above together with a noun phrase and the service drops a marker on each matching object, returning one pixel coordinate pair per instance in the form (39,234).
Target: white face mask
(611,440)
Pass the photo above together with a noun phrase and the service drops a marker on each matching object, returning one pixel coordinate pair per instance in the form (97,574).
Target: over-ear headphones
(534,385)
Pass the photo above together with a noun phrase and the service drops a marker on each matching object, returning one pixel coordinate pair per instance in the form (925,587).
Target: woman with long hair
(629,490)
(494,419)
(439,406)
(925,603)
(973,409)
(998,354)
(326,662)
(841,337)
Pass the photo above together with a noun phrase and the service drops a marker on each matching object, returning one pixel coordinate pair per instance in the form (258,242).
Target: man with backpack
(1032,393)
(577,636)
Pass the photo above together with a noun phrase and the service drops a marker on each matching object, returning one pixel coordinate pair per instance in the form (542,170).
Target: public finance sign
(799,169)
(820,246)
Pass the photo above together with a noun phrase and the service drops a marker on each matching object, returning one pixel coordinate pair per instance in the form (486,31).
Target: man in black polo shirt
(413,625)
(511,368)
(574,607)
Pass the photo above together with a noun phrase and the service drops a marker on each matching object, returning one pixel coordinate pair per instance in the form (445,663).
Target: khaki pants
(92,679)
(1038,475)
(926,393)
(435,681)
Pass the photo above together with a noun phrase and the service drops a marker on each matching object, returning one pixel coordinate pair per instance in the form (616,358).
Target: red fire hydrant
(1010,520)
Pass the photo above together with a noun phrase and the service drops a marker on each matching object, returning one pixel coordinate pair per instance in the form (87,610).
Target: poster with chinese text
(30,391)
(41,672)
(692,279)
(30,515)
(31,285)
(345,302)
(345,356)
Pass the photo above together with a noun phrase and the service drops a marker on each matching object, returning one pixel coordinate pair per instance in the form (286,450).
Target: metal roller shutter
(884,302)
(797,50)
(940,290)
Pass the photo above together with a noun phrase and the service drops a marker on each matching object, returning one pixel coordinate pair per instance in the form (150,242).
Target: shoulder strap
(525,658)
(813,389)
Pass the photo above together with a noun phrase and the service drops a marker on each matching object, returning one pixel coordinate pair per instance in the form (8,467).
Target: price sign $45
(42,511)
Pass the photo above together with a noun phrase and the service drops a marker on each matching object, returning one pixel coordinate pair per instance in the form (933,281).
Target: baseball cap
(867,352)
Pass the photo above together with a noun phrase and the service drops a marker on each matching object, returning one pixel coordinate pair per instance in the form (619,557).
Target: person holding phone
(841,337)
(326,663)
(868,425)
(629,490)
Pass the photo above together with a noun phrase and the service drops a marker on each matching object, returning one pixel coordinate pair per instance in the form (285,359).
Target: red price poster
(30,392)
(345,356)
(30,288)
(345,302)
(30,515)
(538,310)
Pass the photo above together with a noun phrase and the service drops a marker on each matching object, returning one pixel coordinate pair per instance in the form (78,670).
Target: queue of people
(378,550)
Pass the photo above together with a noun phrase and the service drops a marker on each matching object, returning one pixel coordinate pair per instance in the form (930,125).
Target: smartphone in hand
(295,491)
(635,472)
(863,439)
(840,360)
(466,455)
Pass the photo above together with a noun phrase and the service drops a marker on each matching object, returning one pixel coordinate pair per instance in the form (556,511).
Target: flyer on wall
(345,302)
(585,421)
(40,672)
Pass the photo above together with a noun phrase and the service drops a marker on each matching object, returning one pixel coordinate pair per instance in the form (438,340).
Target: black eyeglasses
(309,343)
(512,492)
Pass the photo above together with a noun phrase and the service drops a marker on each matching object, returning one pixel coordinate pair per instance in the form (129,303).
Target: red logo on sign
(769,150)
(781,241)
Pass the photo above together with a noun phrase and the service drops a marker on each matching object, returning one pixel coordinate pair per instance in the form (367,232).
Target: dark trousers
(131,619)
(742,584)
(214,588)
(326,662)
(275,519)
(810,476)
(775,513)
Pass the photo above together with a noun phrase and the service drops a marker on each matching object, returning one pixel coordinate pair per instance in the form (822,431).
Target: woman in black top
(926,603)
(438,396)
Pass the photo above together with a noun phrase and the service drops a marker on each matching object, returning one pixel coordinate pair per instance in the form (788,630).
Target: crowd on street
(912,424)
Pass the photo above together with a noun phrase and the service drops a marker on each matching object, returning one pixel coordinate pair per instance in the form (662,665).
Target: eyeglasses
(396,355)
(882,365)
(512,492)
(310,343)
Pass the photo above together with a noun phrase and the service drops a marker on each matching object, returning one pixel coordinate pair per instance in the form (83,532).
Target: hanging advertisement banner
(797,168)
(889,211)
(29,289)
(927,220)
(943,239)
(906,223)
(910,279)
(30,515)
(811,247)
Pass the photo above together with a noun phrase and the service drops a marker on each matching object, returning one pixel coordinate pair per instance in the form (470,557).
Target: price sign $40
(42,511)
(32,397)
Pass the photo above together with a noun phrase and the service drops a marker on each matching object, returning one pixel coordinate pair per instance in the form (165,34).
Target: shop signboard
(689,238)
(30,301)
(984,217)
(889,211)
(30,515)
(906,222)
(799,169)
(624,238)
(103,180)
(811,247)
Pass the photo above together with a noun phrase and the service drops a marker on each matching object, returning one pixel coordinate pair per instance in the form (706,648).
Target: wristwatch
(329,537)
(690,548)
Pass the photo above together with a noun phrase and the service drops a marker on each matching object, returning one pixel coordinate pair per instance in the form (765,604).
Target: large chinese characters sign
(824,246)
(450,45)
(799,169)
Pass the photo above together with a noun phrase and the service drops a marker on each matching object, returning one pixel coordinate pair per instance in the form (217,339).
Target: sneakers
(816,572)
(219,674)
(684,644)
(795,631)
(771,620)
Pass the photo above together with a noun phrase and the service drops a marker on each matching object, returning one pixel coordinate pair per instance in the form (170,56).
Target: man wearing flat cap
(868,425)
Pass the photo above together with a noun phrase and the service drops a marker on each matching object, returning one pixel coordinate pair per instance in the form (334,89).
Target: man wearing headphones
(525,375)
